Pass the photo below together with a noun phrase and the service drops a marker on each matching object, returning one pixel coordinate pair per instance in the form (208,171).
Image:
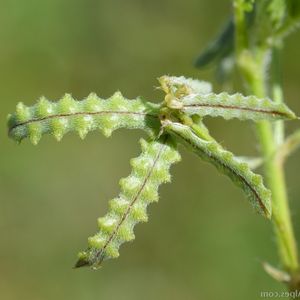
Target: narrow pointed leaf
(226,163)
(235,106)
(219,48)
(149,170)
(59,118)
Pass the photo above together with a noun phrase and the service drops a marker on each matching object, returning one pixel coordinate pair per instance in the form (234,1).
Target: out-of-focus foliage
(268,23)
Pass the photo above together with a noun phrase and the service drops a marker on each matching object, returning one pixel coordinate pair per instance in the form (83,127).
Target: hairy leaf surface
(59,118)
(235,106)
(139,189)
(237,171)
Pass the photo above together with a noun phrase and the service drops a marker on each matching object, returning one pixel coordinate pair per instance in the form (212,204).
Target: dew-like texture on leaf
(239,172)
(138,190)
(235,106)
(59,118)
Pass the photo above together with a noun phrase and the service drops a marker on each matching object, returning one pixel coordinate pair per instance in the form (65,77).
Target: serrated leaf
(235,106)
(138,190)
(59,118)
(226,163)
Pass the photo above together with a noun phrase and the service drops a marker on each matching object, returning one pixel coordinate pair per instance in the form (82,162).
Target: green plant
(248,42)
(251,43)
(179,118)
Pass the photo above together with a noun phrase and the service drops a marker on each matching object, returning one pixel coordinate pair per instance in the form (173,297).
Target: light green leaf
(235,106)
(226,163)
(59,118)
(138,190)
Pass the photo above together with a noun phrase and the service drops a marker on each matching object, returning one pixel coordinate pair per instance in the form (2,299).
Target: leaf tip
(82,260)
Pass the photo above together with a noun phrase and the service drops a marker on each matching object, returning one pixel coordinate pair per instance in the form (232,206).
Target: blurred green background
(202,241)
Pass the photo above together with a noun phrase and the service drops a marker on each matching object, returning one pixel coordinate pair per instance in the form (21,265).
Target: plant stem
(239,18)
(277,93)
(276,180)
(253,68)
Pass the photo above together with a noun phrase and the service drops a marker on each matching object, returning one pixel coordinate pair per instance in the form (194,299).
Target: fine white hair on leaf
(92,113)
(138,190)
(235,106)
(239,172)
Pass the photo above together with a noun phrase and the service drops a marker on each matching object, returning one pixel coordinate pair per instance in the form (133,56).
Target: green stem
(240,26)
(276,180)
(277,93)
(254,73)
